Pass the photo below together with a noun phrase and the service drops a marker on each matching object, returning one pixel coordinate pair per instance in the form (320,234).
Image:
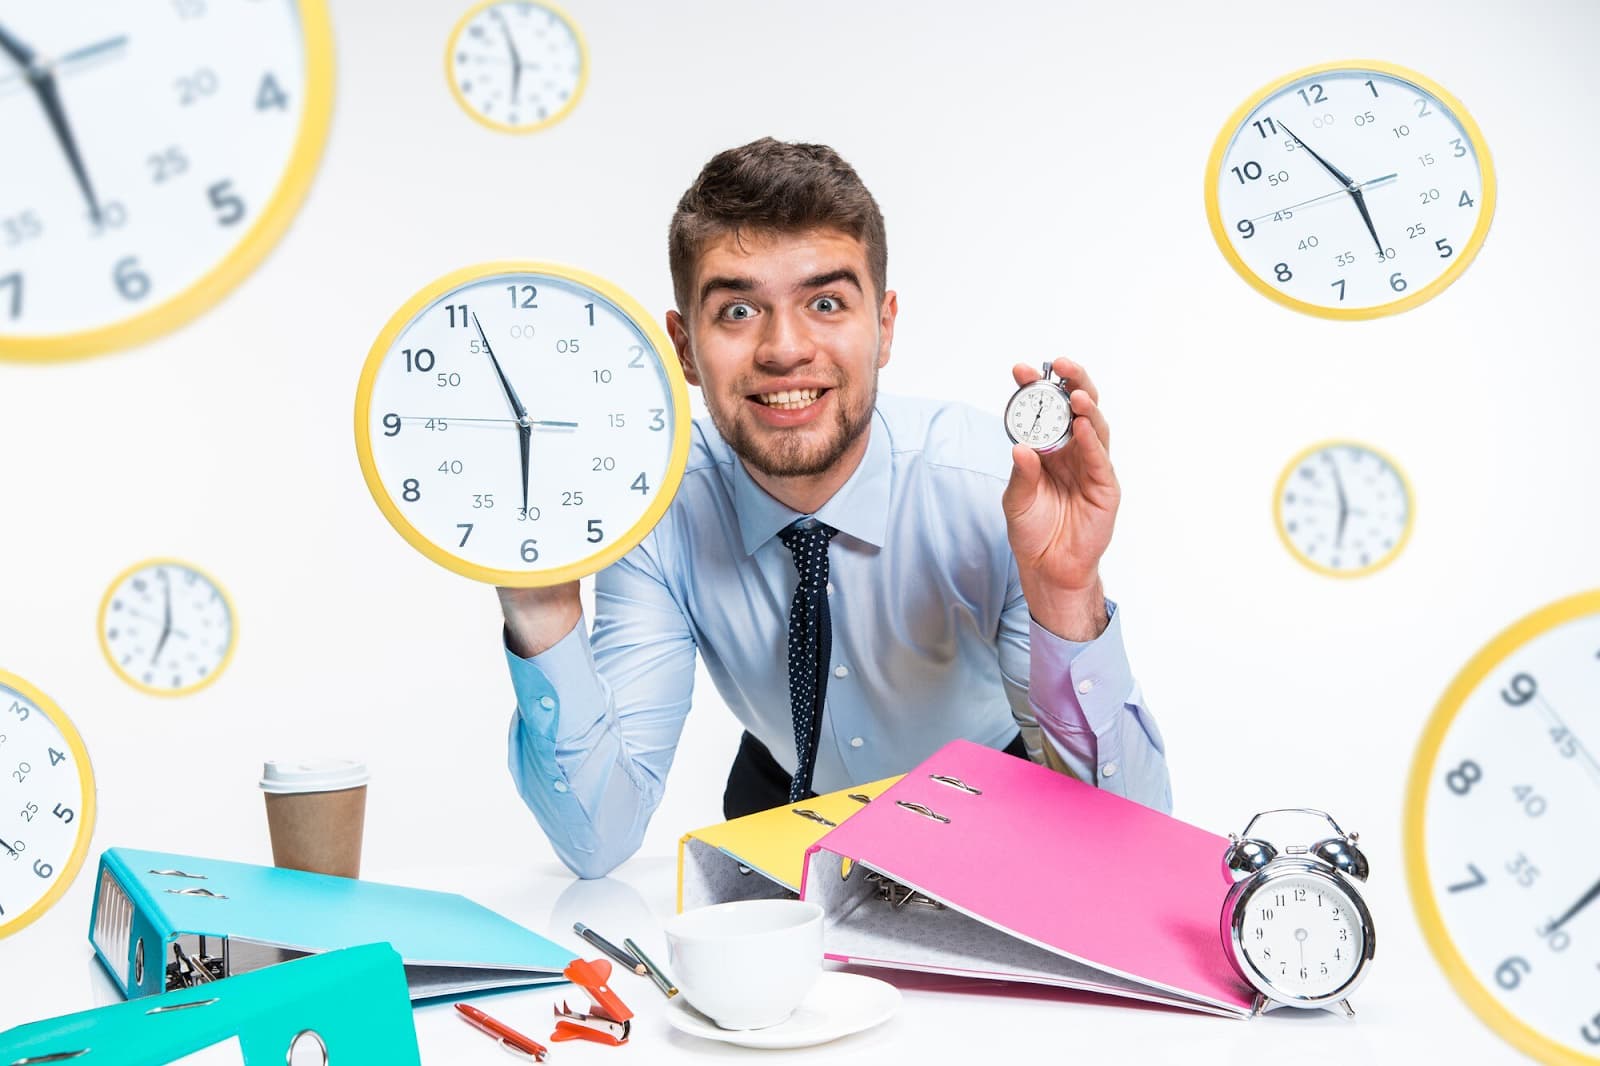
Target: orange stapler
(607,1020)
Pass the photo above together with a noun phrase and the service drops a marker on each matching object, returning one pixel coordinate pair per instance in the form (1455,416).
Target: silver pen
(667,988)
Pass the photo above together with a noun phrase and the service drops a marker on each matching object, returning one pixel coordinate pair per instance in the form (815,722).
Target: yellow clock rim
(1464,257)
(151,690)
(506,127)
(248,253)
(677,461)
(1328,571)
(1513,1030)
(86,802)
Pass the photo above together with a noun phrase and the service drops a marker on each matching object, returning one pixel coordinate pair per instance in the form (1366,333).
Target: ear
(886,315)
(678,330)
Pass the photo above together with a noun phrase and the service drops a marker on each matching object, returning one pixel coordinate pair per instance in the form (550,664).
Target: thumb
(1024,483)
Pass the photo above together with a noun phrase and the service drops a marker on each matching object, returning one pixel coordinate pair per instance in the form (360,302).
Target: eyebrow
(745,284)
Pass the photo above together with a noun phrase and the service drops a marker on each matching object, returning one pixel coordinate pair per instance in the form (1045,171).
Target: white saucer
(839,1004)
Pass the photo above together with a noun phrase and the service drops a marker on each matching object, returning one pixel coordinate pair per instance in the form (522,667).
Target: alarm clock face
(166,627)
(522,424)
(1039,416)
(1499,811)
(517,66)
(155,150)
(47,787)
(1351,190)
(1301,937)
(1343,509)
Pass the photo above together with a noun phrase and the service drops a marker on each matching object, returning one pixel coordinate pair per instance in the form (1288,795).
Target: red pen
(502,1032)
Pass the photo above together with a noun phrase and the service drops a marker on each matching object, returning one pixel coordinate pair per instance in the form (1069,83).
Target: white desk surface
(49,969)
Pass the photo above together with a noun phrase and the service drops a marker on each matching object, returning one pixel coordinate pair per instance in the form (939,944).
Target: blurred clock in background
(1343,509)
(166,627)
(517,66)
(154,152)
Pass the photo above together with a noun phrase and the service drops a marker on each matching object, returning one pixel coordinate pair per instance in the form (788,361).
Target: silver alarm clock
(1294,925)
(1039,414)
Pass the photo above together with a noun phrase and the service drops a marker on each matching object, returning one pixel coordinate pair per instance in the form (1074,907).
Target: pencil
(666,986)
(610,949)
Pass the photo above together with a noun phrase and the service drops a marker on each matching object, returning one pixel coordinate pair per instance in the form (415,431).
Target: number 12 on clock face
(522,423)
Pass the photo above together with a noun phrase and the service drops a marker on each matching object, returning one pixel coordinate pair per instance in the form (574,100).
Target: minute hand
(1350,187)
(524,428)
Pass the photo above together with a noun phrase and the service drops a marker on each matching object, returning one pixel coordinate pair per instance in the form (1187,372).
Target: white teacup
(747,964)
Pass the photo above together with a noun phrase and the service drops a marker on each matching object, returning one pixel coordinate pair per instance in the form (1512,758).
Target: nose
(786,341)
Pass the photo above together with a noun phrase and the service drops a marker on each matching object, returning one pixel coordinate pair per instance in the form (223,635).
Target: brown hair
(770,186)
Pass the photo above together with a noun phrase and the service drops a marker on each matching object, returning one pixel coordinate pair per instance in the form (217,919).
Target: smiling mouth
(789,399)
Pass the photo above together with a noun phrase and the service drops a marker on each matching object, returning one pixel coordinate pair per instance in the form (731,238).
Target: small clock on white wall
(167,628)
(1343,508)
(517,65)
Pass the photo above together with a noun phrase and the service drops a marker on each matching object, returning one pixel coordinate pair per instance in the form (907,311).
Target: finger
(1085,408)
(1094,459)
(1075,376)
(1024,374)
(1024,484)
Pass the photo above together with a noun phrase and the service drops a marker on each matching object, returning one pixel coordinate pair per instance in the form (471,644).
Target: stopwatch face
(517,65)
(1039,416)
(1343,509)
(1350,190)
(167,627)
(1301,937)
(47,787)
(1499,826)
(522,426)
(155,151)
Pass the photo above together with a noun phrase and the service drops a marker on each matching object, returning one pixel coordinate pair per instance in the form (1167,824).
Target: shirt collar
(860,508)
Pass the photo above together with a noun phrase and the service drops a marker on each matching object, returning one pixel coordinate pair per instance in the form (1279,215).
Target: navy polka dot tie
(810,645)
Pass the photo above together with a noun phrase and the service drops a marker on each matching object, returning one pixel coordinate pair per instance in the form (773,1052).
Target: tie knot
(808,540)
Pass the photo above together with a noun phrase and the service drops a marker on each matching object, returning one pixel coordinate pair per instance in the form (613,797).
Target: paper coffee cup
(315,812)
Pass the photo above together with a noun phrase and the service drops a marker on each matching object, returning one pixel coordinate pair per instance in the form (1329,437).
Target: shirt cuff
(1084,683)
(554,685)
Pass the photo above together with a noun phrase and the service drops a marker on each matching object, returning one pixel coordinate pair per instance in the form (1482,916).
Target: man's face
(784,335)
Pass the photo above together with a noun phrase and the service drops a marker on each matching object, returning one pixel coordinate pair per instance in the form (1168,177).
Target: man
(858,572)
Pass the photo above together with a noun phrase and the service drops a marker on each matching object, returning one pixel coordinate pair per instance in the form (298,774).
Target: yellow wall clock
(522,423)
(167,627)
(517,65)
(155,152)
(1350,190)
(1499,832)
(1342,508)
(47,791)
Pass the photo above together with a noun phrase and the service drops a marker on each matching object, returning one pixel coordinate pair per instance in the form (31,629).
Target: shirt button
(547,703)
(856,742)
(1108,770)
(840,671)
(560,786)
(1085,685)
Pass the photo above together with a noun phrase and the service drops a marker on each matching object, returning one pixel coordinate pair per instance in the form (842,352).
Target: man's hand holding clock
(1060,507)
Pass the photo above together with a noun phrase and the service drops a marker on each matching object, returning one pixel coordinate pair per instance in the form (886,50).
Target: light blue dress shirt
(932,640)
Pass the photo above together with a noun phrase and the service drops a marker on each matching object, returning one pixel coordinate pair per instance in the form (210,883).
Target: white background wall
(1040,170)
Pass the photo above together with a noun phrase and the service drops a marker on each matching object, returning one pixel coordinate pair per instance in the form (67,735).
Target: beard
(802,451)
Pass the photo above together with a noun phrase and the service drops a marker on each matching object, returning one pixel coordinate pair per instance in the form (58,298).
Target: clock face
(522,424)
(47,792)
(1501,801)
(1343,509)
(1038,415)
(1350,191)
(1301,936)
(517,66)
(166,627)
(155,151)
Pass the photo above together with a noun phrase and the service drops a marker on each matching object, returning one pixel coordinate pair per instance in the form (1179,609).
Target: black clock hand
(43,81)
(9,848)
(166,621)
(524,426)
(1588,898)
(516,59)
(1349,186)
(1344,504)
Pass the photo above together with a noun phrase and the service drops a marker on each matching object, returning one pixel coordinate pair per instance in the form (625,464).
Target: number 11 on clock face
(522,424)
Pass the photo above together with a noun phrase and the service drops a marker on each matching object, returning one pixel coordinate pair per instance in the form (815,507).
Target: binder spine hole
(307,1049)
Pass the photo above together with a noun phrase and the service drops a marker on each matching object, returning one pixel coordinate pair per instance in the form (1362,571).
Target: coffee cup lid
(312,775)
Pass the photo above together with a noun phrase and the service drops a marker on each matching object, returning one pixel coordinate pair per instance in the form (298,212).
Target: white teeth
(790,399)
